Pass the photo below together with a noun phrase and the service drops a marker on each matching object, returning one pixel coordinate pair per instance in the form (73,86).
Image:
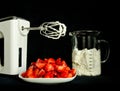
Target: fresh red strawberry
(33,63)
(29,72)
(40,63)
(49,67)
(64,74)
(49,75)
(59,68)
(67,68)
(63,63)
(23,74)
(60,65)
(51,60)
(70,75)
(35,72)
(55,73)
(58,61)
(41,73)
(72,71)
(58,75)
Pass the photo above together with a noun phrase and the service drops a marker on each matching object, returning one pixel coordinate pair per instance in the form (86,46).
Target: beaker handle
(107,50)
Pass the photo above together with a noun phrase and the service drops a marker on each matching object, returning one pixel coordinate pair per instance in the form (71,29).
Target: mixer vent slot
(2,51)
(20,57)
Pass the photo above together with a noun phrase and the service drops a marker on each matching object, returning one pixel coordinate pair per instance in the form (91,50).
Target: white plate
(47,80)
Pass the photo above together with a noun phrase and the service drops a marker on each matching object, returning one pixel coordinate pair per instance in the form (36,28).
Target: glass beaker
(86,52)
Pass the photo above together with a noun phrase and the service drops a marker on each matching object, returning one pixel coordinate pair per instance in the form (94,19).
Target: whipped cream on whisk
(53,30)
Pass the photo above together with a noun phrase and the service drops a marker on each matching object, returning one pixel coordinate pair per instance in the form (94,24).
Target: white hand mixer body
(15,45)
(13,33)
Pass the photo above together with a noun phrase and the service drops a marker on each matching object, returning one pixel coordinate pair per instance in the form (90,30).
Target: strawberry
(64,74)
(49,67)
(33,63)
(35,72)
(70,75)
(40,63)
(72,71)
(51,60)
(63,63)
(60,68)
(23,74)
(41,73)
(29,72)
(49,75)
(67,68)
(58,61)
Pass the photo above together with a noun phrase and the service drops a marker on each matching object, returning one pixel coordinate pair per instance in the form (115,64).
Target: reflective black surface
(80,82)
(83,15)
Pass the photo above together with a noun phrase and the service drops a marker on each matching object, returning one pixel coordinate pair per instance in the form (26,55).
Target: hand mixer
(13,41)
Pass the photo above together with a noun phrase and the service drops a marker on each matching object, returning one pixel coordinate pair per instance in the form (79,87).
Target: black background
(76,16)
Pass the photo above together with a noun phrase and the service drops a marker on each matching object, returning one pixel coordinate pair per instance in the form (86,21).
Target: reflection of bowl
(47,80)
